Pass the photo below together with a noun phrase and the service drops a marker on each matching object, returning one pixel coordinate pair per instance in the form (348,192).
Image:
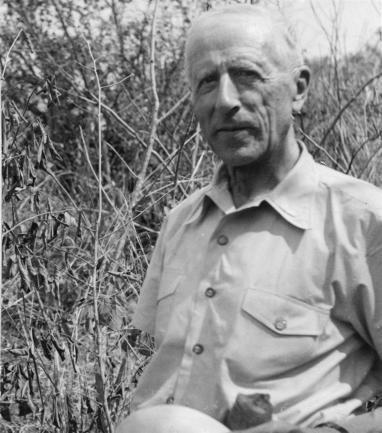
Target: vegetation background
(98,143)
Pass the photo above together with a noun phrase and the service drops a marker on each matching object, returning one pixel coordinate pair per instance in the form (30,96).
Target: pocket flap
(169,282)
(284,315)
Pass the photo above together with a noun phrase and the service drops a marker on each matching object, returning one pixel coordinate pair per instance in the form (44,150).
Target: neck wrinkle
(248,182)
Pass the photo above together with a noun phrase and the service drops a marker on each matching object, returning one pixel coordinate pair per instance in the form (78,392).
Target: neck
(253,180)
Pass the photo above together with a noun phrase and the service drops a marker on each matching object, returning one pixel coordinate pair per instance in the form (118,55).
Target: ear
(302,79)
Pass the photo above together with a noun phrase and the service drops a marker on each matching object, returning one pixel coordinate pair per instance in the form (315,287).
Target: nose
(228,98)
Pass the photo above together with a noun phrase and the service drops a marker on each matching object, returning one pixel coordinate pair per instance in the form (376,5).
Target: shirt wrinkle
(258,306)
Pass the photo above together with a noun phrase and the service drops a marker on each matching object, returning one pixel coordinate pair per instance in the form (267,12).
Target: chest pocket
(170,281)
(274,334)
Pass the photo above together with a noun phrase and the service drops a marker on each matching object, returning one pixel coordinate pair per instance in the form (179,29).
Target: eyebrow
(239,62)
(231,65)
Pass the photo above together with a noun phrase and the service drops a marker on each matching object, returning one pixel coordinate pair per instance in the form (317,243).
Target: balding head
(264,25)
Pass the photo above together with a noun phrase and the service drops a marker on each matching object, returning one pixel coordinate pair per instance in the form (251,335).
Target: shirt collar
(292,198)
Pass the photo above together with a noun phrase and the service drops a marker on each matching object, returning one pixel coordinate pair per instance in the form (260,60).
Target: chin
(240,153)
(240,159)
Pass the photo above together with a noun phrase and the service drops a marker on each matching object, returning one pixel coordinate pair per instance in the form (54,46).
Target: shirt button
(222,240)
(280,324)
(198,349)
(170,400)
(210,292)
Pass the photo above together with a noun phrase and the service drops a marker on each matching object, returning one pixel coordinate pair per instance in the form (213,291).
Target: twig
(154,119)
(2,76)
(70,39)
(361,146)
(169,160)
(180,152)
(131,131)
(322,150)
(130,170)
(20,223)
(9,53)
(191,180)
(117,82)
(196,147)
(97,178)
(98,341)
(54,177)
(374,155)
(174,107)
(119,31)
(351,100)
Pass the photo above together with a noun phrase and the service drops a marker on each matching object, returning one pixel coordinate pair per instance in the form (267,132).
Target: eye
(207,81)
(246,74)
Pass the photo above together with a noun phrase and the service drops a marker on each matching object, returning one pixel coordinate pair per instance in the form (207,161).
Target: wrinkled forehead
(221,32)
(240,31)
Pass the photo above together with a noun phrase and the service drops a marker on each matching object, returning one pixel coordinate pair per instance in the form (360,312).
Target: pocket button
(280,324)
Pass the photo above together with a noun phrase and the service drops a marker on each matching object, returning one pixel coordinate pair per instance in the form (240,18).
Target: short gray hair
(270,12)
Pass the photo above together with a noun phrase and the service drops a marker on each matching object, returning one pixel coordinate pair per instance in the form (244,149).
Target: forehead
(242,57)
(235,39)
(219,30)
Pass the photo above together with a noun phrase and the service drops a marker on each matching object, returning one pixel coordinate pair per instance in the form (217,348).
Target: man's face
(243,87)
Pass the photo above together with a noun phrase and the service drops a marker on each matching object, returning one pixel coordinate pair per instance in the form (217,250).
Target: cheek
(279,109)
(281,98)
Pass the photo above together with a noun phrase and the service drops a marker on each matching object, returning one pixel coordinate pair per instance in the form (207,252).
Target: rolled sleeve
(145,312)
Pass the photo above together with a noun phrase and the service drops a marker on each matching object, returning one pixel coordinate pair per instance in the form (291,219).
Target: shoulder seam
(369,205)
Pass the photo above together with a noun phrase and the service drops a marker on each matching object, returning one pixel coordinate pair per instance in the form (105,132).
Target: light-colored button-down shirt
(280,296)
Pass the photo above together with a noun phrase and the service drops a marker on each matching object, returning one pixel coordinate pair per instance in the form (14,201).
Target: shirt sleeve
(145,312)
(367,299)
(363,296)
(374,313)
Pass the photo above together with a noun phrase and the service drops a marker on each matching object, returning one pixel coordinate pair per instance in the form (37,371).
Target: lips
(236,128)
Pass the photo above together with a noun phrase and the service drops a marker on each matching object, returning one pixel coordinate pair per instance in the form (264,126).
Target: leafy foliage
(73,261)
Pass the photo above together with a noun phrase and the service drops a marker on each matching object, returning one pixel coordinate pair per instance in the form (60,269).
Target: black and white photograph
(191,218)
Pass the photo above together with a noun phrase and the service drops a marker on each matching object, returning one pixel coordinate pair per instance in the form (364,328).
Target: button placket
(170,400)
(210,292)
(222,240)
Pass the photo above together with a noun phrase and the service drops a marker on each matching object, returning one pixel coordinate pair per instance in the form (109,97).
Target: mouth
(236,128)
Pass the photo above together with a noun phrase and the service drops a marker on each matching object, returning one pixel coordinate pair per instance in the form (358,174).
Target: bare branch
(118,82)
(174,107)
(70,39)
(2,75)
(154,118)
(98,336)
(342,110)
(310,139)
(361,146)
(97,178)
(131,131)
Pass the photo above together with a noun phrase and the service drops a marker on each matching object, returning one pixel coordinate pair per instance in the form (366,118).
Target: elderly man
(269,280)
